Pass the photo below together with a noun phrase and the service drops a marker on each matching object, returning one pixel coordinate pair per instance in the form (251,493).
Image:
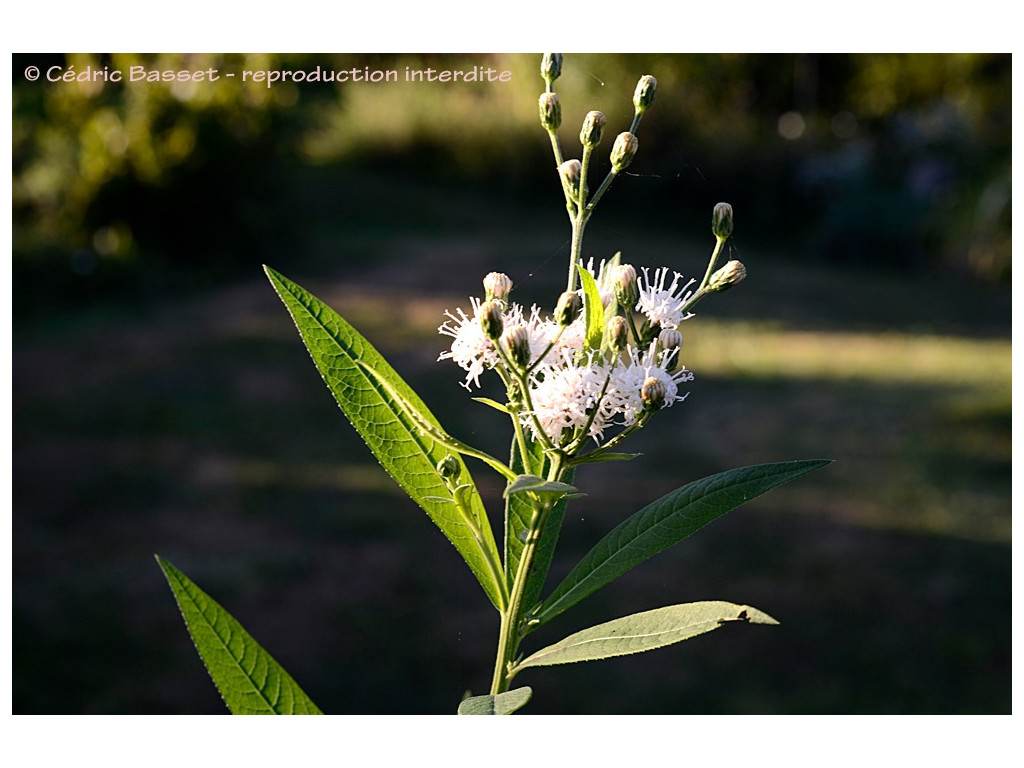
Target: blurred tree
(894,158)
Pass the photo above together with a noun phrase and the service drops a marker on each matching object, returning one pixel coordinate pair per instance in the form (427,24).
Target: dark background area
(163,402)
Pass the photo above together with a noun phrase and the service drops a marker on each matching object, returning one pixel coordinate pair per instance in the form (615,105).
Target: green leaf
(664,523)
(518,516)
(605,282)
(534,484)
(248,678)
(493,403)
(592,308)
(598,457)
(410,456)
(502,704)
(644,632)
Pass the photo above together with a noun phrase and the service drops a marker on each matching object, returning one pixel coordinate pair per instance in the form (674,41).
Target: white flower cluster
(571,388)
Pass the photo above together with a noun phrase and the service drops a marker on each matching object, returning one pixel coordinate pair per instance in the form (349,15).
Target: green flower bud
(721,221)
(570,172)
(593,124)
(623,151)
(618,333)
(497,285)
(627,289)
(653,393)
(449,468)
(725,278)
(516,342)
(490,318)
(569,307)
(643,97)
(551,66)
(550,111)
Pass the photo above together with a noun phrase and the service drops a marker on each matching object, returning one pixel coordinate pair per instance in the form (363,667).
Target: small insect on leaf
(742,616)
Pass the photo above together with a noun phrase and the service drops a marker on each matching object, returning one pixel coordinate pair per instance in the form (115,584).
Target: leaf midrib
(226,647)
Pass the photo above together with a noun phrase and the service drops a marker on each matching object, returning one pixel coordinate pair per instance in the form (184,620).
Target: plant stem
(556,147)
(711,264)
(511,617)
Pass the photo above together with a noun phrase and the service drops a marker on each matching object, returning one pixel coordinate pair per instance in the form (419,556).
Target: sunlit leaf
(592,309)
(534,484)
(664,523)
(502,704)
(493,403)
(248,678)
(344,358)
(644,632)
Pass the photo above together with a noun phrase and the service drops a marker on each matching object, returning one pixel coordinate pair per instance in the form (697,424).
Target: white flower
(563,395)
(627,380)
(664,305)
(471,349)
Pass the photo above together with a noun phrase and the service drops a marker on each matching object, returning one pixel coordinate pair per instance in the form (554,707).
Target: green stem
(511,617)
(578,224)
(601,190)
(711,265)
(556,147)
(702,290)
(636,122)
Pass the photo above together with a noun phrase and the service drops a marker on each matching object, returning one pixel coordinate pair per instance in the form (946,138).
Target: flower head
(564,394)
(625,392)
(471,350)
(662,305)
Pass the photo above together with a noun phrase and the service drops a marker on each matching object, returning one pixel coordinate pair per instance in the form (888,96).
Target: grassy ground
(198,428)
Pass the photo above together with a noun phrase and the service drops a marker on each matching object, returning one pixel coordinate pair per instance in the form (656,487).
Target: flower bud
(491,322)
(721,221)
(497,285)
(670,339)
(449,468)
(643,97)
(726,277)
(669,342)
(593,124)
(568,308)
(618,333)
(627,290)
(623,151)
(653,393)
(551,66)
(517,344)
(570,172)
(550,111)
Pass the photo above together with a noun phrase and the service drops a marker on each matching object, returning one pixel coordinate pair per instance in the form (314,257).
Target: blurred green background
(163,402)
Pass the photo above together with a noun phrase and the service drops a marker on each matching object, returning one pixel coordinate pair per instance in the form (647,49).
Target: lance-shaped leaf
(665,522)
(593,309)
(644,632)
(501,704)
(248,678)
(371,403)
(550,489)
